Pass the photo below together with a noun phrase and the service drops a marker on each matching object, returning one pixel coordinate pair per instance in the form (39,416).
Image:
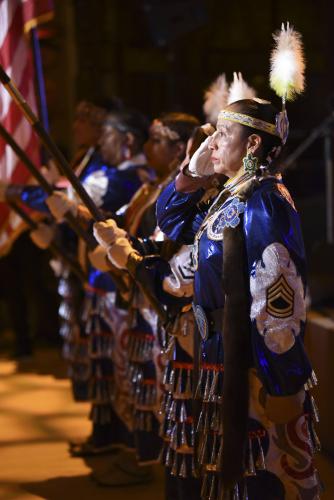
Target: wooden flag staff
(48,188)
(50,145)
(54,247)
(66,170)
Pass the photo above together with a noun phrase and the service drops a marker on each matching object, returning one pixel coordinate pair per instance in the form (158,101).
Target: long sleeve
(34,197)
(276,265)
(178,215)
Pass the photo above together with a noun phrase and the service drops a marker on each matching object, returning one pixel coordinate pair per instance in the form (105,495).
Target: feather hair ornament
(239,89)
(287,64)
(215,98)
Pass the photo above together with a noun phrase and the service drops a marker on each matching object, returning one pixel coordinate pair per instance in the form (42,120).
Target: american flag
(17,18)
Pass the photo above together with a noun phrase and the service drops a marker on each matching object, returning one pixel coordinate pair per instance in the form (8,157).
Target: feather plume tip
(215,98)
(287,64)
(239,89)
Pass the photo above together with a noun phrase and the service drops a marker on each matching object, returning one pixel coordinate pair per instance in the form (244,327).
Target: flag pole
(48,188)
(67,171)
(50,145)
(56,249)
(40,84)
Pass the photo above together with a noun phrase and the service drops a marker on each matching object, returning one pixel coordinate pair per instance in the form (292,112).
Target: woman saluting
(255,427)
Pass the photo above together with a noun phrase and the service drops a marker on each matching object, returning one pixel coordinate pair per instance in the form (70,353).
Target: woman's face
(113,145)
(229,146)
(160,151)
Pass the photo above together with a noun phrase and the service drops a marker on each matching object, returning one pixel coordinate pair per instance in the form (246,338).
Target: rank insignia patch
(278,304)
(280,299)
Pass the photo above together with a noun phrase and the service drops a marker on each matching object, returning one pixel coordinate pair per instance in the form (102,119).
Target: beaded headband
(248,121)
(164,130)
(280,129)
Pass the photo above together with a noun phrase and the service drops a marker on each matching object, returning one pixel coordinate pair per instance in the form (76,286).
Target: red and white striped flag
(17,17)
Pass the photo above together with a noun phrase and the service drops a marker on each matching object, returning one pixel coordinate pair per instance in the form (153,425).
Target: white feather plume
(239,89)
(287,63)
(215,98)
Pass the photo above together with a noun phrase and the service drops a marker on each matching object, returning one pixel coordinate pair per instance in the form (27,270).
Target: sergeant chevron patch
(280,299)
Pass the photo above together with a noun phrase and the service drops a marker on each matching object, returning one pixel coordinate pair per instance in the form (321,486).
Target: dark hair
(181,123)
(271,144)
(129,121)
(90,112)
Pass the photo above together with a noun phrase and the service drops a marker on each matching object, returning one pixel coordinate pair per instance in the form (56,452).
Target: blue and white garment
(111,188)
(280,366)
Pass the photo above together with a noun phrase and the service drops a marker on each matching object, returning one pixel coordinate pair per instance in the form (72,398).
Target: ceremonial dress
(110,188)
(70,288)
(278,461)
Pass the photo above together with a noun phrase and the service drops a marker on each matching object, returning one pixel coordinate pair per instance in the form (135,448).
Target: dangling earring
(251,163)
(126,152)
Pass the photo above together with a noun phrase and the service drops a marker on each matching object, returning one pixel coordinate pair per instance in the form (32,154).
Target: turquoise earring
(251,163)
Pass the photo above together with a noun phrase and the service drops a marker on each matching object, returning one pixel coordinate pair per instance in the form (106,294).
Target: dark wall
(119,49)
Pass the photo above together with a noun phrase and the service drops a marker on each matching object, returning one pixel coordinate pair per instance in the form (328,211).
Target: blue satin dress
(279,458)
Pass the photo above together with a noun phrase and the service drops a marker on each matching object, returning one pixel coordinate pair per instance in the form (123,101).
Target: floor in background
(38,417)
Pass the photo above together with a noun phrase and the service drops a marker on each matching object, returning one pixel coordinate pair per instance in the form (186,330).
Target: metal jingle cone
(206,419)
(192,436)
(219,459)
(315,411)
(183,435)
(172,412)
(174,470)
(166,374)
(188,389)
(245,492)
(212,491)
(214,425)
(169,352)
(183,412)
(204,488)
(171,380)
(174,443)
(314,378)
(194,472)
(169,429)
(162,407)
(214,385)
(213,458)
(250,465)
(169,457)
(308,385)
(236,493)
(178,377)
(260,462)
(198,392)
(207,387)
(203,450)
(183,468)
(316,440)
(200,422)
(168,404)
